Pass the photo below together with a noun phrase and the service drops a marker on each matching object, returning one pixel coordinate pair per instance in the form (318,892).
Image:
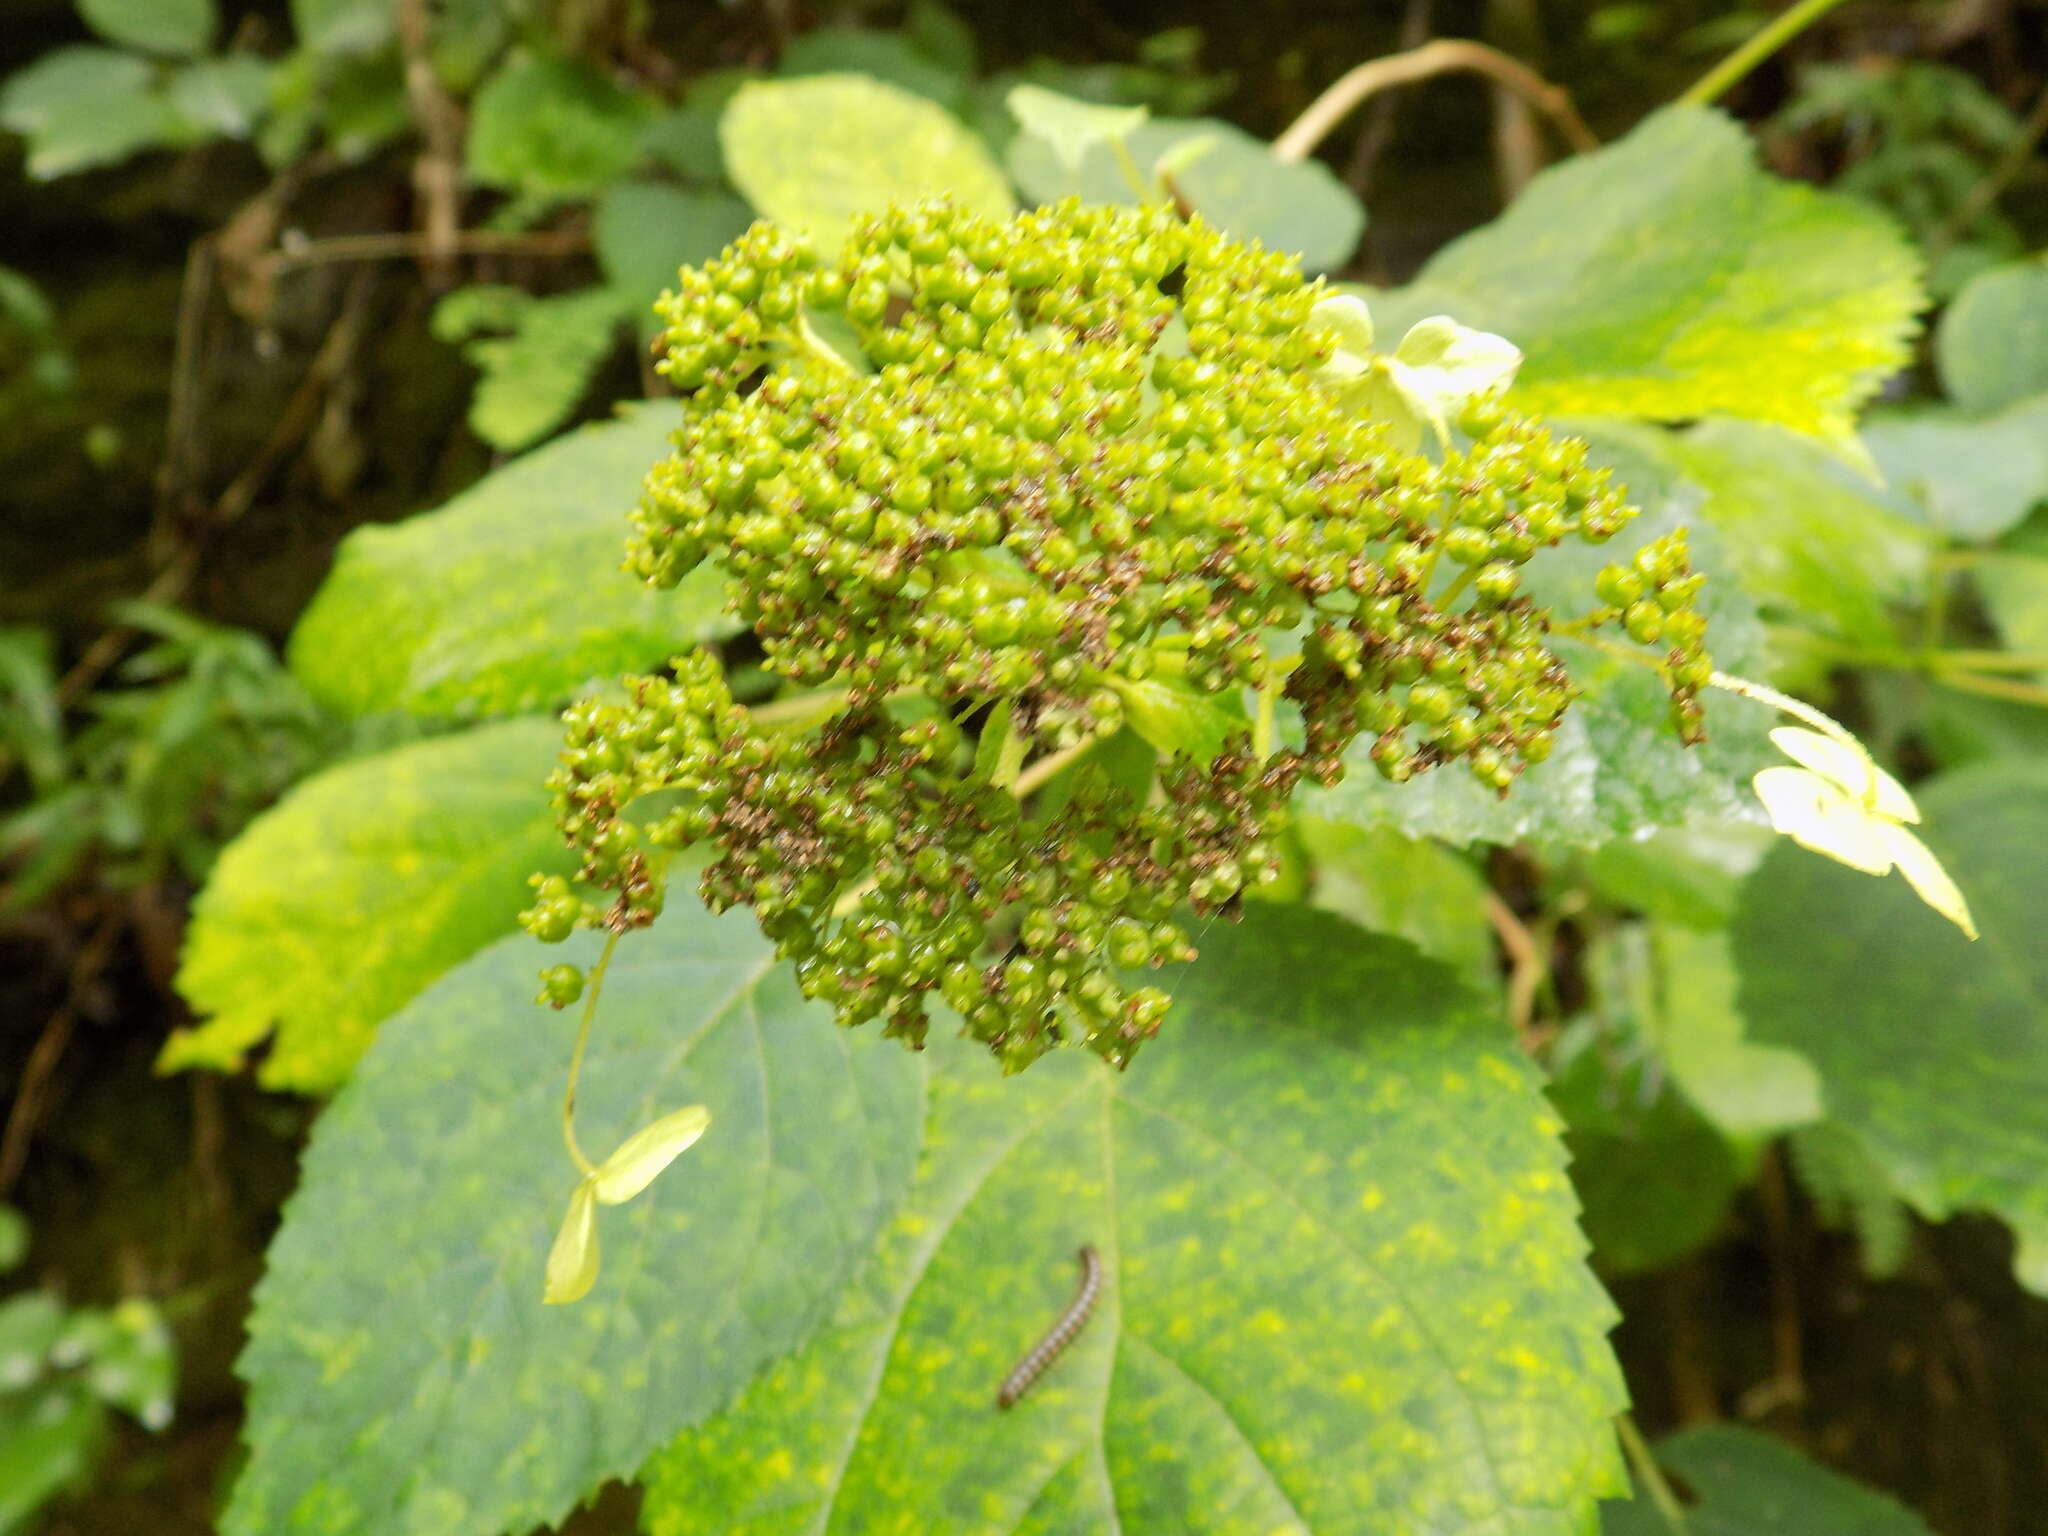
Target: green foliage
(1992,346)
(1935,1075)
(62,1373)
(1971,478)
(994,524)
(200,730)
(645,230)
(1809,540)
(506,599)
(546,128)
(362,886)
(1666,277)
(1224,173)
(177,27)
(1616,769)
(816,153)
(1293,1333)
(1408,888)
(1749,1484)
(1848,1189)
(539,370)
(82,107)
(403,1375)
(1655,1179)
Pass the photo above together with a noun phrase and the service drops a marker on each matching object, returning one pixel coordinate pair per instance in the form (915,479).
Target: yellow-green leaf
(572,1261)
(642,1155)
(816,153)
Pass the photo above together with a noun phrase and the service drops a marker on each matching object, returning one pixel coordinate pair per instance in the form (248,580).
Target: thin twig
(49,1050)
(437,173)
(1767,40)
(406,245)
(1525,966)
(1443,56)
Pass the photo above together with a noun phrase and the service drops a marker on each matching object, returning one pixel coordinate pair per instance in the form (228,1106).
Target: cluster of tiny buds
(1005,494)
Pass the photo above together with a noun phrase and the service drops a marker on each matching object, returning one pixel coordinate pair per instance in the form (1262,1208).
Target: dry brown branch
(1443,56)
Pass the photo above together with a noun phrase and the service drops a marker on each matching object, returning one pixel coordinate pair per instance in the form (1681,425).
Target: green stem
(1638,1452)
(1769,38)
(595,985)
(1457,587)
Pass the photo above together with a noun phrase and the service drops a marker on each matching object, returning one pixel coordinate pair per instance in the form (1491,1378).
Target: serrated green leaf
(341,26)
(508,598)
(1929,1048)
(1342,1286)
(1236,184)
(1992,347)
(550,127)
(416,1383)
(1969,478)
(365,883)
(536,376)
(1619,768)
(815,154)
(1748,1484)
(644,231)
(1665,276)
(1686,875)
(82,107)
(175,27)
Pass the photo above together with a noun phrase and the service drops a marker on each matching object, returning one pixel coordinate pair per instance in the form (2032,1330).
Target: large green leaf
(509,597)
(1970,477)
(1993,343)
(816,153)
(1666,276)
(1811,543)
(342,26)
(1748,1484)
(1235,183)
(1619,767)
(1933,1050)
(1343,1288)
(1409,887)
(365,883)
(177,27)
(404,1376)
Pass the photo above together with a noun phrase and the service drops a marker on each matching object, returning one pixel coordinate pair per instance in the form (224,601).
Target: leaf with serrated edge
(1342,1285)
(364,884)
(509,597)
(1665,276)
(405,1375)
(1929,1048)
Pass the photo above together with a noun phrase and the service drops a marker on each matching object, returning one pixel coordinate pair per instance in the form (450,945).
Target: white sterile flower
(1840,803)
(1440,365)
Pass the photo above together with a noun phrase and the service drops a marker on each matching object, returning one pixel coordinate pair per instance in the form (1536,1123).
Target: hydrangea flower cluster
(1056,498)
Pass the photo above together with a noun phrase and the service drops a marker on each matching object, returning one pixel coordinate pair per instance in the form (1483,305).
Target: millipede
(1057,1337)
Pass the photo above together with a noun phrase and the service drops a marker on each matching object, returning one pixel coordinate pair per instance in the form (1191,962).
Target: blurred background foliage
(271,272)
